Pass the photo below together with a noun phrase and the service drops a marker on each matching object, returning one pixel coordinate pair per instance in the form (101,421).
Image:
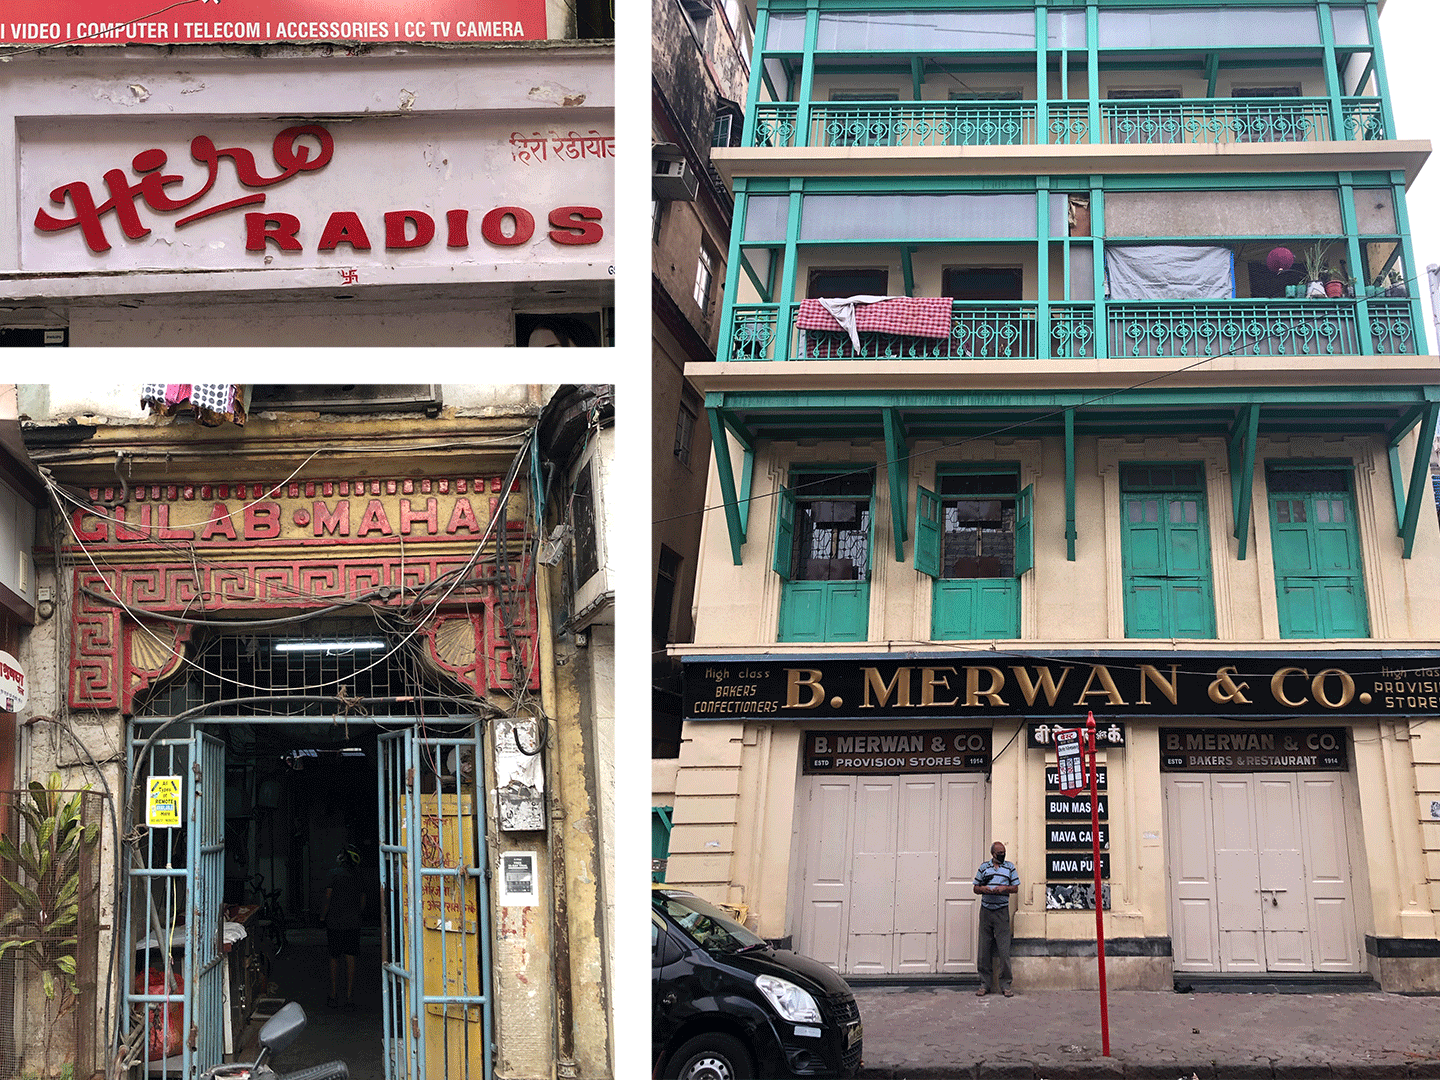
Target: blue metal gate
(436,986)
(437,1015)
(175,974)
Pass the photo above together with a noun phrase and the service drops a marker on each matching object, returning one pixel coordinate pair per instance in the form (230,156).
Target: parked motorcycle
(279,1031)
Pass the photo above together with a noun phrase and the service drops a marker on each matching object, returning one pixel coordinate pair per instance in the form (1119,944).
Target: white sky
(1409,30)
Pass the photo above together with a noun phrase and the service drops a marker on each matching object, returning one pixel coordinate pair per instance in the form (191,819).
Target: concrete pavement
(930,1032)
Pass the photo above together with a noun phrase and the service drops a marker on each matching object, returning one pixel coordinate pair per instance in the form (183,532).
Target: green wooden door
(822,553)
(1166,550)
(1319,584)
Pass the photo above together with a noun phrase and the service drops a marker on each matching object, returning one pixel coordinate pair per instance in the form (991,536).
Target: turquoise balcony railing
(1199,328)
(1018,123)
(1009,330)
(988,330)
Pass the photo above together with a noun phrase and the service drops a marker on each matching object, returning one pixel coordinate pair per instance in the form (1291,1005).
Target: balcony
(1177,328)
(1160,121)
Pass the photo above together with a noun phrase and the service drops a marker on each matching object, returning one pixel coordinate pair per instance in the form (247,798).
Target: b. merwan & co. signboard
(525,198)
(120,22)
(1272,686)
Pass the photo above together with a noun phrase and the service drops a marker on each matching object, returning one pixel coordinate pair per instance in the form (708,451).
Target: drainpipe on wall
(565,1067)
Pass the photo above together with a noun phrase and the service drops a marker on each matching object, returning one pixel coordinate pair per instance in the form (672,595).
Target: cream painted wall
(1080,601)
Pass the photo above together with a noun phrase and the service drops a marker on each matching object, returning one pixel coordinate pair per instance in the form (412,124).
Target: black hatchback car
(727,1006)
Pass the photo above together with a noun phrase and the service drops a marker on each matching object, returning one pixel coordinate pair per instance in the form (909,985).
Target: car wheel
(712,1056)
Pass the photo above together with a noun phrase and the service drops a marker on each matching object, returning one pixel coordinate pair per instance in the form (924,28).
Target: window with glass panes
(975,538)
(1165,550)
(822,551)
(1319,580)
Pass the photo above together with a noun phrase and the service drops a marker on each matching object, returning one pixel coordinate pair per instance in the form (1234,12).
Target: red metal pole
(1099,901)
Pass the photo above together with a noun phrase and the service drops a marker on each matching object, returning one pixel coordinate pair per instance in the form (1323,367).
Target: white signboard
(12,684)
(510,195)
(519,886)
(1072,765)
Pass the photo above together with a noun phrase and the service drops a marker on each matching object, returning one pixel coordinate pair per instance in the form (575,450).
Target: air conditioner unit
(671,177)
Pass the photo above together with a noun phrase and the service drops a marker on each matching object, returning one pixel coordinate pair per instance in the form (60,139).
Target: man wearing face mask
(994,882)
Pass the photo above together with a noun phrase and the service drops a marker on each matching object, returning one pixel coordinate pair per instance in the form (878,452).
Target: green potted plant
(1338,283)
(40,923)
(1315,266)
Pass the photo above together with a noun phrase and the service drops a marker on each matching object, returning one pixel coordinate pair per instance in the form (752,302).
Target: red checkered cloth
(922,316)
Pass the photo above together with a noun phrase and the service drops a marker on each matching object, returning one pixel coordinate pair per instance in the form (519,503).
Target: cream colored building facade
(1198,508)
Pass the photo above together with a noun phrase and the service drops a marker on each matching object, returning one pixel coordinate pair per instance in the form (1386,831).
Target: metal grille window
(979,525)
(587,544)
(320,657)
(832,528)
(684,432)
(704,278)
(667,576)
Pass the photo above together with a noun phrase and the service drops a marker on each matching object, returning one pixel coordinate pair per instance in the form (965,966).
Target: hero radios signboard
(120,22)
(507,197)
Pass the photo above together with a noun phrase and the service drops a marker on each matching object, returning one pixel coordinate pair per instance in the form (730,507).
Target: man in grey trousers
(994,882)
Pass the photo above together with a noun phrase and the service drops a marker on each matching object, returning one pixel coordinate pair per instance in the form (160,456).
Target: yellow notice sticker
(162,802)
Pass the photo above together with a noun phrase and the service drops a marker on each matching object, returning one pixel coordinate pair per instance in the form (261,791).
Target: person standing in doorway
(994,882)
(344,904)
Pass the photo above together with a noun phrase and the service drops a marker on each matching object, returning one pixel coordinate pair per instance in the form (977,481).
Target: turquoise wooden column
(786,294)
(725,471)
(1243,435)
(1409,499)
(1350,226)
(732,272)
(1092,61)
(1415,278)
(1071,535)
(1042,75)
(1382,84)
(757,71)
(1333,90)
(807,73)
(1042,290)
(1097,247)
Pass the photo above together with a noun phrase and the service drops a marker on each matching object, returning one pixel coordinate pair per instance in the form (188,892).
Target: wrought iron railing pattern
(1017,123)
(1231,120)
(1072,331)
(1392,330)
(977,331)
(1178,329)
(752,336)
(923,123)
(773,124)
(1201,328)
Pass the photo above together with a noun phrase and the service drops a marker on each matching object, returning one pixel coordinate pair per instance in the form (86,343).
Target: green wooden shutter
(1319,582)
(928,515)
(784,532)
(1025,530)
(1166,553)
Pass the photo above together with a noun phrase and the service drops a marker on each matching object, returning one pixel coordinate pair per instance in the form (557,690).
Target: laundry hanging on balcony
(1170,272)
(915,316)
(213,403)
